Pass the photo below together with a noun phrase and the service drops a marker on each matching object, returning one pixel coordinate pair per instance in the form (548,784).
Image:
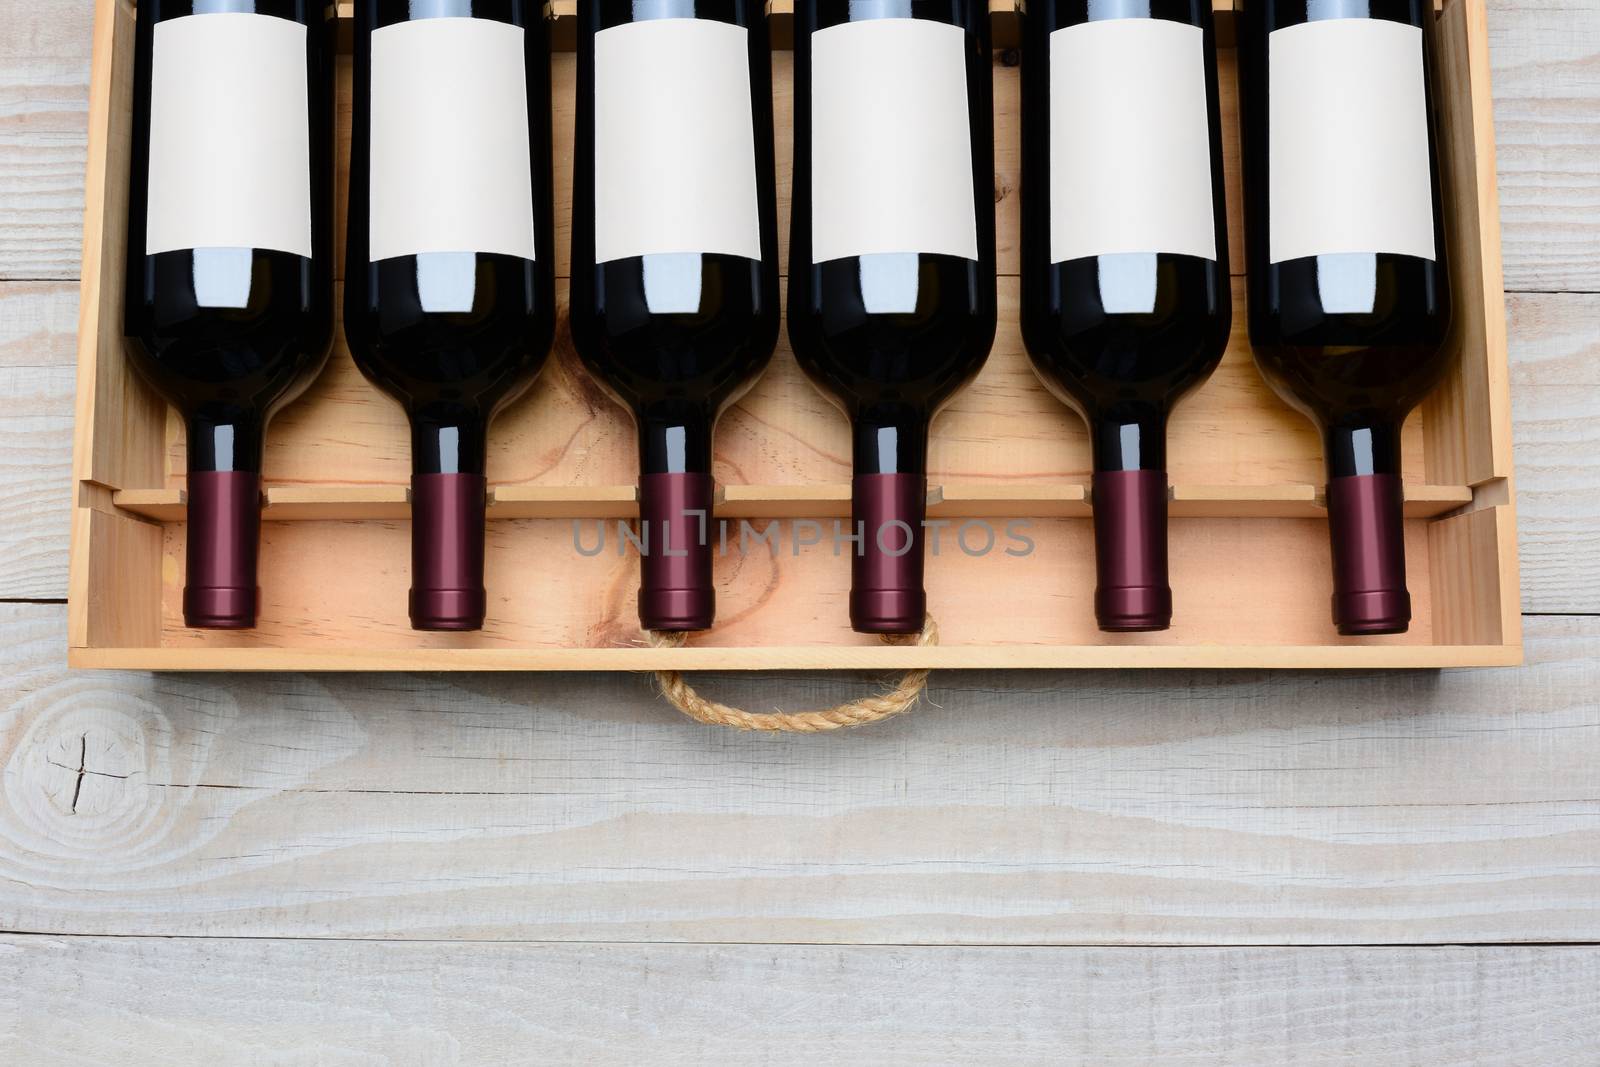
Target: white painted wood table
(1378,867)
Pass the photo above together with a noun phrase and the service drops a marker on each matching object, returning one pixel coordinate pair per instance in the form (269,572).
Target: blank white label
(675,145)
(1349,137)
(891,143)
(451,165)
(1130,141)
(230,143)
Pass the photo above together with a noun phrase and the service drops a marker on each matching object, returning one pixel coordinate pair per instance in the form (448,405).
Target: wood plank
(164,653)
(563,502)
(184,1003)
(38,323)
(1301,501)
(1546,63)
(157,505)
(1468,416)
(318,503)
(351,502)
(119,418)
(1258,808)
(113,590)
(335,594)
(1555,397)
(44,107)
(1475,552)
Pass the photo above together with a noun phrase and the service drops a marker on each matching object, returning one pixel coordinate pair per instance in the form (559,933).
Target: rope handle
(859,712)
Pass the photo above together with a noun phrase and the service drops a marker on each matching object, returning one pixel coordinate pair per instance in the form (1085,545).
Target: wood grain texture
(1200,807)
(1546,61)
(1555,394)
(44,100)
(191,1003)
(331,588)
(38,325)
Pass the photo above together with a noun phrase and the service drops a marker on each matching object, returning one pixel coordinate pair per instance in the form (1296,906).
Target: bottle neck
(891,442)
(449,445)
(676,501)
(1366,525)
(888,505)
(1366,529)
(1130,441)
(225,445)
(1362,448)
(223,543)
(447,550)
(674,440)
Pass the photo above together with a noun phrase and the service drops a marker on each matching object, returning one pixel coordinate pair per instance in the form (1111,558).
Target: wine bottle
(229,280)
(1126,303)
(1348,279)
(891,254)
(450,295)
(674,255)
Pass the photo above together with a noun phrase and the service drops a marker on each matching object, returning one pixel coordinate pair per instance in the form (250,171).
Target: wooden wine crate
(1249,546)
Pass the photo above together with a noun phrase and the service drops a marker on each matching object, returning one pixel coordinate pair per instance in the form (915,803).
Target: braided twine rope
(859,712)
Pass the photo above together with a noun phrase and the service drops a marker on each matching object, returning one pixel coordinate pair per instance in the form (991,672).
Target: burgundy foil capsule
(886,593)
(1130,536)
(447,518)
(675,515)
(224,541)
(1366,524)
